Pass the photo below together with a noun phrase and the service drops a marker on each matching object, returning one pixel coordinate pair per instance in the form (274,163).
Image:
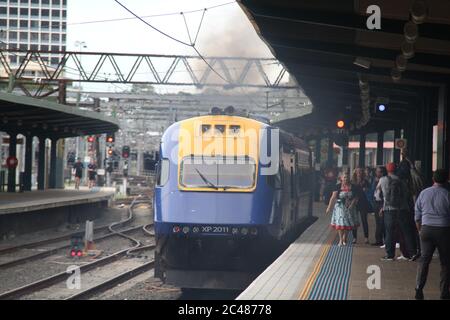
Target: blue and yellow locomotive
(230,192)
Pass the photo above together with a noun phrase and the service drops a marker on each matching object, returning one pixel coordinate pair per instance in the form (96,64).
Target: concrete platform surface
(39,200)
(315,268)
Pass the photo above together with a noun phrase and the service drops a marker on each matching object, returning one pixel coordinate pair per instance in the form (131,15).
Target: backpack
(394,193)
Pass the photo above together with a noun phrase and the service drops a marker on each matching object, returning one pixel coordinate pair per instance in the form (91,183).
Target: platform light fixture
(361,62)
(400,62)
(381,104)
(411,32)
(408,50)
(419,11)
(340,124)
(396,74)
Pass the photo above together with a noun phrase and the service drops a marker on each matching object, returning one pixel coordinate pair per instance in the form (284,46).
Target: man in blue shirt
(432,215)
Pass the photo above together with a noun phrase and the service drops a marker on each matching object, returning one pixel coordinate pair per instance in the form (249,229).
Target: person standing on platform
(394,207)
(378,206)
(78,172)
(432,215)
(342,204)
(92,172)
(369,173)
(415,182)
(363,206)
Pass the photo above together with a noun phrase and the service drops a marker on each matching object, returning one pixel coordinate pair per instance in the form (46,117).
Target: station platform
(314,267)
(47,199)
(26,212)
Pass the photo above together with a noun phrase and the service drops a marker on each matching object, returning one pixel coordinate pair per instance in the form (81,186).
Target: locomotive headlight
(186,230)
(244,231)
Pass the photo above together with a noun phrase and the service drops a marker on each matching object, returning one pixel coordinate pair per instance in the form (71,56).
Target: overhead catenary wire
(152,16)
(192,45)
(174,39)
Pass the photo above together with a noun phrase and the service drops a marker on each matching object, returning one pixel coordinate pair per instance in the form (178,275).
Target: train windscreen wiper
(205,180)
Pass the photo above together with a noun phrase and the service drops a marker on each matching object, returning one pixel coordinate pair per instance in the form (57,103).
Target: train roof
(286,138)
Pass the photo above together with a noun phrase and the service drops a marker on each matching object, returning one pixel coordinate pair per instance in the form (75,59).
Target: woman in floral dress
(343,207)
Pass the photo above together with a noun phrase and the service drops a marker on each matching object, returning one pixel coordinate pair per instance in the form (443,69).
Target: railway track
(55,286)
(108,233)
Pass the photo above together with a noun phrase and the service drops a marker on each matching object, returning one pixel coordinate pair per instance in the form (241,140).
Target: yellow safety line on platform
(306,290)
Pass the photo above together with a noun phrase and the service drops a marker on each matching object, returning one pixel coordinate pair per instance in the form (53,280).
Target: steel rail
(46,282)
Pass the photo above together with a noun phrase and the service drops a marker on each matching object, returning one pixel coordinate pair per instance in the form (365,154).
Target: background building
(34,25)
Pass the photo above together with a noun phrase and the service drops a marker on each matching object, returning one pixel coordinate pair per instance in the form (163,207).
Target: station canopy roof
(39,117)
(327,46)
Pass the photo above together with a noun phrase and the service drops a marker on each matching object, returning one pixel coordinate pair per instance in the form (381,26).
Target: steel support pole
(362,150)
(397,135)
(380,148)
(330,160)
(28,163)
(318,150)
(41,164)
(52,175)
(12,153)
(442,129)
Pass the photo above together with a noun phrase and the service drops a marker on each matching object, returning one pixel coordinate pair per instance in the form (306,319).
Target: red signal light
(79,253)
(73,253)
(90,139)
(340,124)
(125,152)
(109,139)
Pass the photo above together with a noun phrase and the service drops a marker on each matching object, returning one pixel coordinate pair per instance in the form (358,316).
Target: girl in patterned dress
(343,205)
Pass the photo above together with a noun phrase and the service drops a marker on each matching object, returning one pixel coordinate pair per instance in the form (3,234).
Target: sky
(225,31)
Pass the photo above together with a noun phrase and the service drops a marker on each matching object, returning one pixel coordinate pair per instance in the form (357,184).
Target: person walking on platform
(378,206)
(78,172)
(343,207)
(394,207)
(432,215)
(92,172)
(363,206)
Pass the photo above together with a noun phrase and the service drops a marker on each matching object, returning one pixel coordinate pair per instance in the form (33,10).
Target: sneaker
(419,294)
(403,258)
(383,246)
(376,244)
(397,245)
(386,258)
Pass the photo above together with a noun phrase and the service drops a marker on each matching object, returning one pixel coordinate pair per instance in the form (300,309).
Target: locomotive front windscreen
(218,172)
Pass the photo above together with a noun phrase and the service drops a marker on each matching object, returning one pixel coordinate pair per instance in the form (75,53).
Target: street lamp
(80,45)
